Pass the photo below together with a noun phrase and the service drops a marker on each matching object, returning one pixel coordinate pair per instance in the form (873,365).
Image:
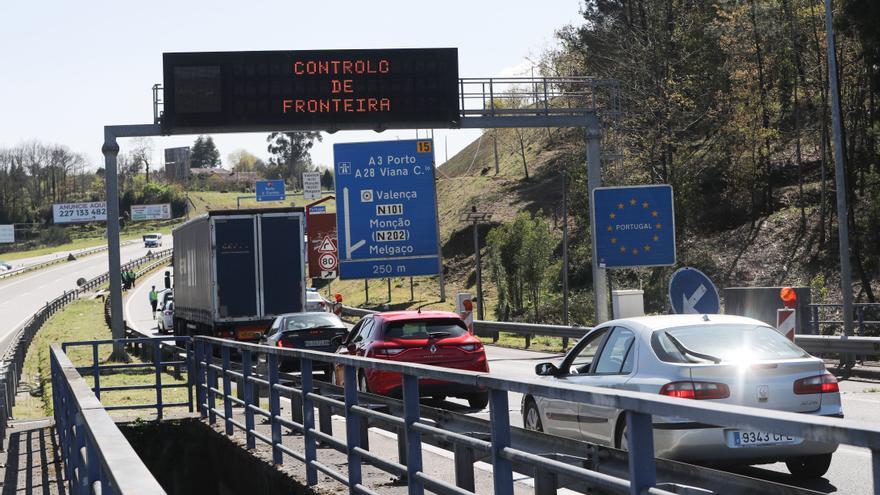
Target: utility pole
(565,253)
(110,149)
(476,217)
(840,178)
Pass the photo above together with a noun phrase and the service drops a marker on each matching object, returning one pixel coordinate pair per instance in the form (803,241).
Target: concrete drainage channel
(187,456)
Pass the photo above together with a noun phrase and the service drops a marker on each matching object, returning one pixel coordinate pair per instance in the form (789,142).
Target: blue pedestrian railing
(214,378)
(97,457)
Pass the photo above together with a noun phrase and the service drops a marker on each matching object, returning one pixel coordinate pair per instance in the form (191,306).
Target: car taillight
(696,390)
(388,351)
(282,343)
(471,347)
(226,334)
(819,384)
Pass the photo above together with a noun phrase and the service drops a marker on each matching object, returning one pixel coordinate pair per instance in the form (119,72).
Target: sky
(69,68)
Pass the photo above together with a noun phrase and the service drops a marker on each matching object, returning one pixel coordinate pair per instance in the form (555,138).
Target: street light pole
(840,178)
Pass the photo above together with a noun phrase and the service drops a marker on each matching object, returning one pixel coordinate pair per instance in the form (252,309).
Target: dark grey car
(313,331)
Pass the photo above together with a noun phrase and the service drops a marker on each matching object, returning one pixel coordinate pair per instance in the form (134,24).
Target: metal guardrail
(40,266)
(639,409)
(17,343)
(97,457)
(860,317)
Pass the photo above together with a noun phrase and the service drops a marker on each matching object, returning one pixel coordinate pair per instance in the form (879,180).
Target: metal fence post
(308,421)
(499,416)
(157,366)
(200,378)
(413,437)
(212,382)
(190,379)
(875,468)
(274,408)
(640,443)
(464,467)
(227,392)
(246,364)
(352,428)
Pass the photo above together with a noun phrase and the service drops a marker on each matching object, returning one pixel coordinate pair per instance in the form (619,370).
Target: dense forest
(728,101)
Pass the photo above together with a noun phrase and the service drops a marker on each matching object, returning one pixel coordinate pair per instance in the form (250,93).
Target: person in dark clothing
(167,279)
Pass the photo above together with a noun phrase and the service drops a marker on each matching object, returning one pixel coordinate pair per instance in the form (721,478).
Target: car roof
(416,315)
(663,322)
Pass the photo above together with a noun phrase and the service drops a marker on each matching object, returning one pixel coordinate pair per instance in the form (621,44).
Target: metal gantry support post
(111,152)
(594,180)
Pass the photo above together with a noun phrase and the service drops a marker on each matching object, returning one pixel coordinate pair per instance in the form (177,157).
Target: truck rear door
(282,263)
(234,239)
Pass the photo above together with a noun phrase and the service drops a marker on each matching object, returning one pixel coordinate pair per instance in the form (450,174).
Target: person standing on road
(154,299)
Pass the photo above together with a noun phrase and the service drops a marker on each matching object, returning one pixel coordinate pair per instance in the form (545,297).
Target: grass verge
(83,320)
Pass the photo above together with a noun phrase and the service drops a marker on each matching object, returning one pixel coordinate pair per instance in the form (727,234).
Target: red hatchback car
(439,338)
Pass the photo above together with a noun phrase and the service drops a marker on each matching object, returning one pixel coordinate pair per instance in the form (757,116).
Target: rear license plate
(249,334)
(746,438)
(316,343)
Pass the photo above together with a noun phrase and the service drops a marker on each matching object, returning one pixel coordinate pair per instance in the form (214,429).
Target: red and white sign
(322,252)
(785,322)
(328,261)
(327,245)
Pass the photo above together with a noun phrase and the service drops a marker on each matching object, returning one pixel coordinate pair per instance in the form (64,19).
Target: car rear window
(304,321)
(423,329)
(729,343)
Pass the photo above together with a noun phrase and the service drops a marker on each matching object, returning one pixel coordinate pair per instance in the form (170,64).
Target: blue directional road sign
(634,226)
(270,190)
(386,209)
(691,291)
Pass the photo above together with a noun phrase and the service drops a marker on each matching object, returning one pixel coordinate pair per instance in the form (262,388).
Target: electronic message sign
(311,89)
(386,209)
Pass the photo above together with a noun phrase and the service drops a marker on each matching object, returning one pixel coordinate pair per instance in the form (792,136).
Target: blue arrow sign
(691,291)
(386,209)
(634,226)
(270,190)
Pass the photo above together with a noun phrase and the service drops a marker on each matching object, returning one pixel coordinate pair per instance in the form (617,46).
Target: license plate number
(317,343)
(748,438)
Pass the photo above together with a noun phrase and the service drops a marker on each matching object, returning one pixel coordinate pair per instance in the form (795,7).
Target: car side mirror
(338,339)
(546,369)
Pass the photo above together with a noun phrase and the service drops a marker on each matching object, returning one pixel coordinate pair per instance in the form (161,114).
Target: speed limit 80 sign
(328,261)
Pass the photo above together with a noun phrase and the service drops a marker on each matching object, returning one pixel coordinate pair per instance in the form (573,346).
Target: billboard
(323,254)
(311,89)
(7,234)
(79,212)
(151,212)
(386,209)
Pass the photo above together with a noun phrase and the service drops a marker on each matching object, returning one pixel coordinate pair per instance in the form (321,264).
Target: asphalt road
(23,295)
(850,471)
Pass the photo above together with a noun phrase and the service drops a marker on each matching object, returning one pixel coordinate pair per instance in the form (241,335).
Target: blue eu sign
(634,226)
(386,209)
(270,190)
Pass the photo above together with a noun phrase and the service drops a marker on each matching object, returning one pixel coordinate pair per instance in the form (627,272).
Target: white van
(152,240)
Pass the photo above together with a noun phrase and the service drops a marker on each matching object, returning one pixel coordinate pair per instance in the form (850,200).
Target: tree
(242,161)
(290,154)
(142,154)
(327,180)
(204,153)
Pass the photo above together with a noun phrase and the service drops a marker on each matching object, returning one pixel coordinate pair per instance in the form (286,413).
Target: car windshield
(151,236)
(319,320)
(423,329)
(727,343)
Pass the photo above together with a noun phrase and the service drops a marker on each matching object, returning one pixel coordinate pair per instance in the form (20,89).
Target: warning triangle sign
(327,245)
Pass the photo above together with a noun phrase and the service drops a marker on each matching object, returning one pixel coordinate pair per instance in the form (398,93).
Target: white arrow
(349,248)
(688,304)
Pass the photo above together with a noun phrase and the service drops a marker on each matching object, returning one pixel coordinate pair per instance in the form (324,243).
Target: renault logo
(433,349)
(763,393)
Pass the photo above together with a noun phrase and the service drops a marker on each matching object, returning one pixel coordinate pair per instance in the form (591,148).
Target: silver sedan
(726,359)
